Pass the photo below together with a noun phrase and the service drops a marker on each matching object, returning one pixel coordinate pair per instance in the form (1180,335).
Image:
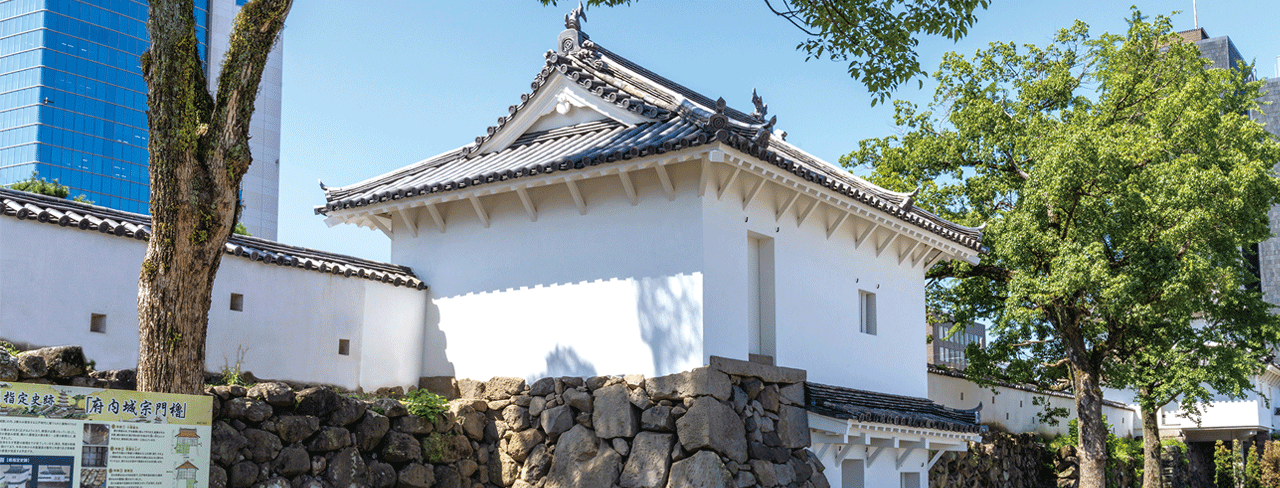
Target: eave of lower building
(851,439)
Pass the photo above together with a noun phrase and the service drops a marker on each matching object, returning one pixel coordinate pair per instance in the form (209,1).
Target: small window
(344,347)
(868,306)
(98,323)
(910,480)
(237,302)
(962,396)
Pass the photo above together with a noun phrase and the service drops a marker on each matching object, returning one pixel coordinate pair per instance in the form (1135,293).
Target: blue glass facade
(72,99)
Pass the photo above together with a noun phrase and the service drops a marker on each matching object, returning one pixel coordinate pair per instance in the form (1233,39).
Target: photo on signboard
(53,476)
(15,475)
(94,452)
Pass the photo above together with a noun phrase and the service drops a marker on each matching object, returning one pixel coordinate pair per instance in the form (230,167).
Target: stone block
(649,462)
(793,427)
(701,470)
(614,415)
(710,424)
(445,386)
(766,373)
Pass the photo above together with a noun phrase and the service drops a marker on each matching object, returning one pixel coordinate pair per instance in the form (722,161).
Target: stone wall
(1020,461)
(732,424)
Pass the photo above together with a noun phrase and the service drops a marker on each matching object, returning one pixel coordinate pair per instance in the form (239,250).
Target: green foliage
(1227,464)
(42,186)
(1118,448)
(1177,444)
(10,348)
(876,37)
(241,230)
(1050,414)
(425,404)
(232,374)
(1269,466)
(434,447)
(1118,179)
(1253,470)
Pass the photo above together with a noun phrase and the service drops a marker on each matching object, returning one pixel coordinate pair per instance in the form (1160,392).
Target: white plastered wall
(817,284)
(615,291)
(53,278)
(1013,409)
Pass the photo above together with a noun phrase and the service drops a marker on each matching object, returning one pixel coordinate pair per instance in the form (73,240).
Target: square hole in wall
(344,347)
(98,323)
(237,302)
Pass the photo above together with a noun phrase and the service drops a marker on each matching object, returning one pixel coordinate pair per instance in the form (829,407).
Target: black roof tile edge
(824,400)
(945,371)
(68,213)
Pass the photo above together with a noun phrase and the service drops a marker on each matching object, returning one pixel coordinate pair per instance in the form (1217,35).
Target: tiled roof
(69,213)
(678,118)
(882,408)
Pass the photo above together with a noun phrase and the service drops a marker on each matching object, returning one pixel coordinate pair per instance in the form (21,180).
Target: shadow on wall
(565,361)
(671,321)
(435,361)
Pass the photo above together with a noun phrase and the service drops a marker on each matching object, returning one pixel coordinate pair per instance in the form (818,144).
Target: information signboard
(55,436)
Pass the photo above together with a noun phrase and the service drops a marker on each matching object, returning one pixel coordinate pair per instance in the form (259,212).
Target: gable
(559,103)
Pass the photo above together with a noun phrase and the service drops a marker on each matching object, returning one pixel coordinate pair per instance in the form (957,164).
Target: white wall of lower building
(54,278)
(1013,409)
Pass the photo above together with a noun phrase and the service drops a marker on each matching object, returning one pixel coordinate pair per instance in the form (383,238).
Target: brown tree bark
(199,148)
(1152,474)
(1092,451)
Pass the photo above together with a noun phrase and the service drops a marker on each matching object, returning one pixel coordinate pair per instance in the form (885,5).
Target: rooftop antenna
(1195,14)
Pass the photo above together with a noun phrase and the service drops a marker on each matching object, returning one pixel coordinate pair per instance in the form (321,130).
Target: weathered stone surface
(793,427)
(469,388)
(557,420)
(537,464)
(399,447)
(713,425)
(467,467)
(649,462)
(448,477)
(8,366)
(701,470)
(501,387)
(217,476)
(263,446)
(381,475)
(242,474)
(472,422)
(31,366)
(699,382)
(620,444)
(543,387)
(317,401)
(516,417)
(61,361)
(765,372)
(291,462)
(768,453)
(413,424)
(390,407)
(415,475)
(570,382)
(293,428)
(370,430)
(785,474)
(349,410)
(310,482)
(639,397)
(769,398)
(246,409)
(765,475)
(318,465)
(230,391)
(521,443)
(580,462)
(273,483)
(536,406)
(659,418)
(614,415)
(445,386)
(792,394)
(227,442)
(579,400)
(510,468)
(274,393)
(329,439)
(441,448)
(347,470)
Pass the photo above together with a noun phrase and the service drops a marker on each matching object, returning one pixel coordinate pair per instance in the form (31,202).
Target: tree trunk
(1092,451)
(199,152)
(1152,472)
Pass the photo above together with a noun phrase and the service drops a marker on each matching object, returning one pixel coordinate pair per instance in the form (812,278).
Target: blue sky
(373,86)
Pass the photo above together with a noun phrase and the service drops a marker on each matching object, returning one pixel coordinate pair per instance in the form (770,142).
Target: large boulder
(401,448)
(793,427)
(8,366)
(246,409)
(263,446)
(557,420)
(293,428)
(349,410)
(61,361)
(415,475)
(275,393)
(614,415)
(649,462)
(317,401)
(329,439)
(291,462)
(347,470)
(521,443)
(370,430)
(227,442)
(699,382)
(710,424)
(440,448)
(500,388)
(581,462)
(32,366)
(701,470)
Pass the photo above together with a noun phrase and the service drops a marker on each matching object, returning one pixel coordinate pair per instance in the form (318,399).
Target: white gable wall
(54,278)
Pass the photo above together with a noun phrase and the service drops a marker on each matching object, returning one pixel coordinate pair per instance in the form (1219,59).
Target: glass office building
(72,99)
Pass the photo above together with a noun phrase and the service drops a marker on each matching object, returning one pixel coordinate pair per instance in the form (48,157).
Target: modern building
(947,349)
(73,101)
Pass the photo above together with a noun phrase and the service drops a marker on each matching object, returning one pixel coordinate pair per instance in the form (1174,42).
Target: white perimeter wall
(615,291)
(53,278)
(883,471)
(817,283)
(1012,409)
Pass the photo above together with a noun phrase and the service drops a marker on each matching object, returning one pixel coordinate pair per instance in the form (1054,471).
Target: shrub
(426,404)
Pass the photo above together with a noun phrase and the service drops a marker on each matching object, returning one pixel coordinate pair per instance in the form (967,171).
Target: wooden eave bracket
(577,196)
(523,193)
(435,215)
